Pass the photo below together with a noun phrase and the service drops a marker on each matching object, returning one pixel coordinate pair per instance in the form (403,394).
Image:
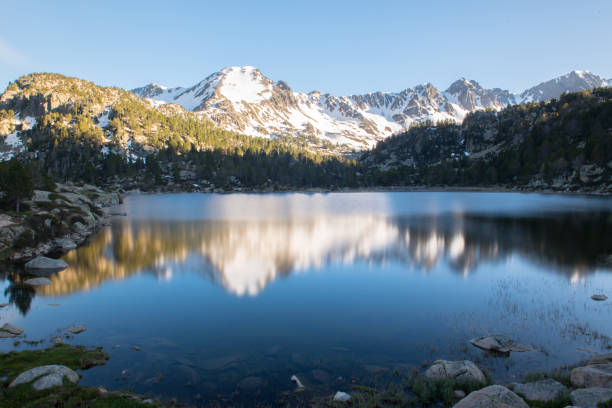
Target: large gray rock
(463,372)
(590,397)
(543,390)
(492,396)
(10,330)
(499,343)
(37,282)
(44,263)
(594,375)
(46,376)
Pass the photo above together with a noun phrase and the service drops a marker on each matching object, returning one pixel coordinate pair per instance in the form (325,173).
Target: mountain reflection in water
(245,256)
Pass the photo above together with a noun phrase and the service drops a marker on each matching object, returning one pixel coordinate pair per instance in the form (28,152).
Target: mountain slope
(243,100)
(564,144)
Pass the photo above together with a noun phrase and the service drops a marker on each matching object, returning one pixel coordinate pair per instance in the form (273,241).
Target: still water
(228,296)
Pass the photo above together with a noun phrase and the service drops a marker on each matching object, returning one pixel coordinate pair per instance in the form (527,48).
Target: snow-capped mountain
(242,99)
(574,81)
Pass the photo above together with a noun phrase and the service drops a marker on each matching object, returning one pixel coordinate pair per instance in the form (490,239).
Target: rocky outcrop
(57,222)
(46,377)
(463,372)
(492,396)
(590,397)
(593,375)
(543,390)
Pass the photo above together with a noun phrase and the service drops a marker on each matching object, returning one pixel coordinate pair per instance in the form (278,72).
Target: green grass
(76,357)
(562,375)
(605,404)
(69,395)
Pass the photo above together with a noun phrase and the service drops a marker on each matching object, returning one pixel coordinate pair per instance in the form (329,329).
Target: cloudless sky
(341,47)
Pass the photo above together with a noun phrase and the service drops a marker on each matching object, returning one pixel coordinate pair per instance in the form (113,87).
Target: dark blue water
(227,296)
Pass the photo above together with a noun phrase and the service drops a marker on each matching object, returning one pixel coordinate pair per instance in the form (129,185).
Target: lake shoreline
(389,189)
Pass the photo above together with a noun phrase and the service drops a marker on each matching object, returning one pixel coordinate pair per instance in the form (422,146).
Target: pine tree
(16,182)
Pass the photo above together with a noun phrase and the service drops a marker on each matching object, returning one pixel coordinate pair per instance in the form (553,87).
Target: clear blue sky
(342,47)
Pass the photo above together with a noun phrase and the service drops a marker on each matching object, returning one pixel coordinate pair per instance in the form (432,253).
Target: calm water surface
(229,295)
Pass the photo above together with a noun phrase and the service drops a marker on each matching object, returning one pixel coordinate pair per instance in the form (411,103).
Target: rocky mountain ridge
(243,100)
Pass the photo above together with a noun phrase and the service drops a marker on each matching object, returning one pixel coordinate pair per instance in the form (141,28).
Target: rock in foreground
(594,375)
(10,330)
(543,390)
(492,396)
(463,372)
(46,264)
(46,376)
(499,343)
(590,397)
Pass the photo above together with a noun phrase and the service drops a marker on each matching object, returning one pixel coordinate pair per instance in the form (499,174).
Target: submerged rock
(252,383)
(499,343)
(10,330)
(590,397)
(321,376)
(593,375)
(77,329)
(47,264)
(543,390)
(341,396)
(46,376)
(37,282)
(492,396)
(463,372)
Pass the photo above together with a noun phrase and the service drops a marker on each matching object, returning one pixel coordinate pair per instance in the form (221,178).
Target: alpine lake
(222,298)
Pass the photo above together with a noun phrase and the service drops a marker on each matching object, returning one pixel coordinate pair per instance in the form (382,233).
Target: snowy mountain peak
(244,100)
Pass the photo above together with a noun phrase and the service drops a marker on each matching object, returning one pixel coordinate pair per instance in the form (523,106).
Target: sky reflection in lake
(221,289)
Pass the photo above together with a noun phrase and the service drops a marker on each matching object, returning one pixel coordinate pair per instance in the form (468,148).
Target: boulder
(46,376)
(463,372)
(499,343)
(590,397)
(341,396)
(10,330)
(594,375)
(543,390)
(492,396)
(37,282)
(47,264)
